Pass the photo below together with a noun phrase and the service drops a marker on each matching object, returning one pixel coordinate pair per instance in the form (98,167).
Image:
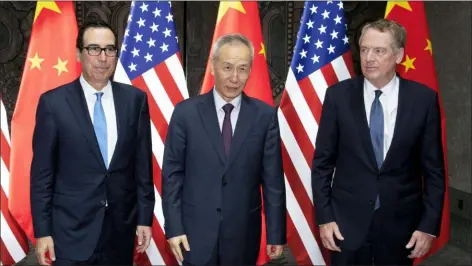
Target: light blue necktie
(100,126)
(377,132)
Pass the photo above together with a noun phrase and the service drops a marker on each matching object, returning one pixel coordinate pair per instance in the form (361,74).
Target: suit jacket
(207,196)
(70,183)
(414,161)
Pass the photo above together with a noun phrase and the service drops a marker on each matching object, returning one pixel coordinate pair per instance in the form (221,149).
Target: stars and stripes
(150,60)
(321,59)
(14,243)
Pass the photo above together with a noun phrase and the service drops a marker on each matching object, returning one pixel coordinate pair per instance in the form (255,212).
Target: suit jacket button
(218,210)
(224,183)
(371,202)
(102,202)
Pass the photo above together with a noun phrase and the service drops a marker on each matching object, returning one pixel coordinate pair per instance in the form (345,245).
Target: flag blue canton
(150,37)
(322,37)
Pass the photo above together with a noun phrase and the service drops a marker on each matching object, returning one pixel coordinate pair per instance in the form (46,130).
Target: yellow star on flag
(224,6)
(408,63)
(36,61)
(61,66)
(392,4)
(429,47)
(51,5)
(262,51)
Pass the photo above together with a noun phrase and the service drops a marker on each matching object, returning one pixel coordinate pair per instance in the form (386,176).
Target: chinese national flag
(418,65)
(50,62)
(243,17)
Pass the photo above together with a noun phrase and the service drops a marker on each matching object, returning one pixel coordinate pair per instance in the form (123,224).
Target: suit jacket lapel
(78,104)
(404,104)
(360,118)
(245,118)
(207,111)
(121,105)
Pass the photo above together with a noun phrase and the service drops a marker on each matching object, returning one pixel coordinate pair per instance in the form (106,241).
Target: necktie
(377,132)
(100,127)
(227,130)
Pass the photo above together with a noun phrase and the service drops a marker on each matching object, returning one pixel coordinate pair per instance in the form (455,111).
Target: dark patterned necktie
(227,130)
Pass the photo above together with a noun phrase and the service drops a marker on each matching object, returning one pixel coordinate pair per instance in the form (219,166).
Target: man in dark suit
(378,170)
(91,174)
(220,148)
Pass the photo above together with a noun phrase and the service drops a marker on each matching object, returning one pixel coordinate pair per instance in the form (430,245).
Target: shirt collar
(219,102)
(90,91)
(387,90)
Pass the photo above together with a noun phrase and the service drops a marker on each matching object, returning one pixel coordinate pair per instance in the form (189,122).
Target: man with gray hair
(221,148)
(382,134)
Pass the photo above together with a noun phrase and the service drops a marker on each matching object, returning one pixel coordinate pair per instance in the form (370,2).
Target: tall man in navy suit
(380,136)
(91,174)
(220,148)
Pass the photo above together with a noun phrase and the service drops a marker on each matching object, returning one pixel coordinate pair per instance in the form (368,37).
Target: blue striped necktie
(100,127)
(377,133)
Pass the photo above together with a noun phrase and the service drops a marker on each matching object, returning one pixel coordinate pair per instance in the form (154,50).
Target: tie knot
(377,94)
(228,108)
(99,95)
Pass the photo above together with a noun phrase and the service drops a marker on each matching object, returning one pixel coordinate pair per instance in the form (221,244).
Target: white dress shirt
(389,101)
(109,109)
(219,103)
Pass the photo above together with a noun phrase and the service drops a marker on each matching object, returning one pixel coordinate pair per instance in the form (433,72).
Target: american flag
(150,60)
(13,244)
(321,58)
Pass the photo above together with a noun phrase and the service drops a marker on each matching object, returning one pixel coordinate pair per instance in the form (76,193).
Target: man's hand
(175,246)
(144,238)
(422,243)
(43,245)
(326,232)
(274,251)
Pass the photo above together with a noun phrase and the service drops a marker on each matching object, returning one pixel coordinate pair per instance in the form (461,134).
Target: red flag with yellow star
(418,65)
(50,62)
(243,17)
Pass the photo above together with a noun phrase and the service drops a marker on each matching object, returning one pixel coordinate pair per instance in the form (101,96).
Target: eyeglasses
(110,51)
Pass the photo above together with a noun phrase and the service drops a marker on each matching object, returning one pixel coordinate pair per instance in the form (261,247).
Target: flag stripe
(4,123)
(301,196)
(340,69)
(295,242)
(5,257)
(302,226)
(5,153)
(14,244)
(157,143)
(300,105)
(157,175)
(311,97)
(11,233)
(349,64)
(156,115)
(296,129)
(301,165)
(319,83)
(157,90)
(174,63)
(169,85)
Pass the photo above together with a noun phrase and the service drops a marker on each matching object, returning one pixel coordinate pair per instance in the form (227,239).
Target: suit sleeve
(43,167)
(143,167)
(324,161)
(274,186)
(173,169)
(432,160)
